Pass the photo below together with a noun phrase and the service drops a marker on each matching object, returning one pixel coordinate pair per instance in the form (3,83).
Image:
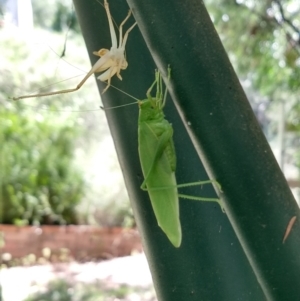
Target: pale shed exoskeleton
(111,62)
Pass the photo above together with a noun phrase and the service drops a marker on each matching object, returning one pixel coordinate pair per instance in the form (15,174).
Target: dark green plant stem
(210,264)
(226,134)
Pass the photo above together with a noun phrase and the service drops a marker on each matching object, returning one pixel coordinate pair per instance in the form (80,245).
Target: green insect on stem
(158,161)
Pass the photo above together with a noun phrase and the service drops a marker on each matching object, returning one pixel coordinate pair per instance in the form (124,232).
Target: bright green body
(158,161)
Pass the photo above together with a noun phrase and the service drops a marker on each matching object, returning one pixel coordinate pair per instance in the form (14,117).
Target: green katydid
(158,161)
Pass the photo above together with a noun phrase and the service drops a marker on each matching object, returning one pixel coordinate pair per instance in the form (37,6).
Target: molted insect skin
(111,62)
(158,161)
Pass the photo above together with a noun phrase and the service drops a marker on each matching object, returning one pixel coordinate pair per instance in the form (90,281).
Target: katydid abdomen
(158,163)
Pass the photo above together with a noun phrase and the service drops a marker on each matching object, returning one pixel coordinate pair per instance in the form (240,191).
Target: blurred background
(58,165)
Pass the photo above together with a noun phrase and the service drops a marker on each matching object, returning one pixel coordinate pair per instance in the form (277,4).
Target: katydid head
(150,109)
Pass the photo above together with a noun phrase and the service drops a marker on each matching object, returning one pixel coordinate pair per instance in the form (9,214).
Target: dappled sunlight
(107,277)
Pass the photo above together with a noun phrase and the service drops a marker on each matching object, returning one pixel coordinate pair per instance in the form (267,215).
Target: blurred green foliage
(48,146)
(57,15)
(262,38)
(262,41)
(67,291)
(40,184)
(39,180)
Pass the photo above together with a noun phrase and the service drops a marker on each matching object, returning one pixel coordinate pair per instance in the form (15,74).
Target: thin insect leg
(150,89)
(92,71)
(189,185)
(121,28)
(126,36)
(195,198)
(201,183)
(158,87)
(120,63)
(188,197)
(108,83)
(160,90)
(113,35)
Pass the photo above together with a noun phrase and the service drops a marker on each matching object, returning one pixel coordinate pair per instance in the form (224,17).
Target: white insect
(111,61)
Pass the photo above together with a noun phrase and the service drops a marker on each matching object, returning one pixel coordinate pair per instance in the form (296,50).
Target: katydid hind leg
(195,198)
(202,199)
(200,183)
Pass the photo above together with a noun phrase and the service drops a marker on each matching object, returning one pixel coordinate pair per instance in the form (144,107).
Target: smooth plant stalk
(210,255)
(227,137)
